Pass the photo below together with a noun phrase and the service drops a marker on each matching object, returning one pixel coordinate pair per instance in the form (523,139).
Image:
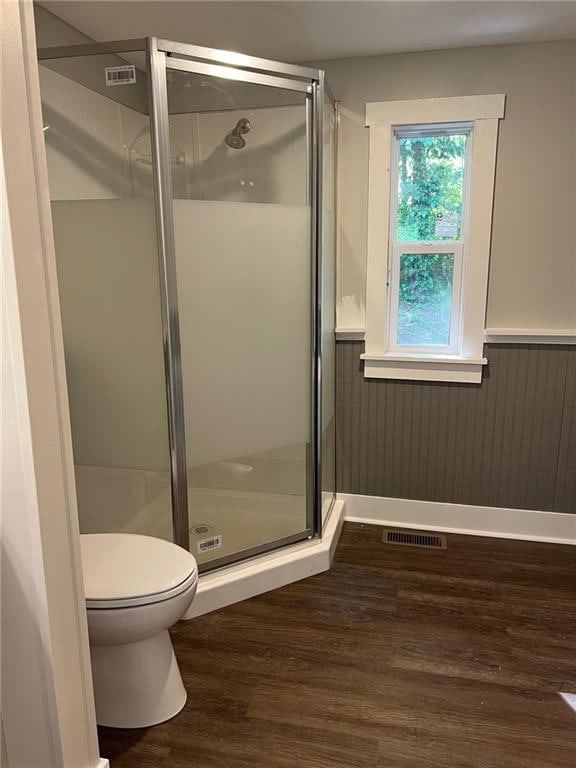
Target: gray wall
(508,442)
(532,268)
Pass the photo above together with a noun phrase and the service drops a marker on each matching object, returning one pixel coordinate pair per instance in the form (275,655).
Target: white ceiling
(323,29)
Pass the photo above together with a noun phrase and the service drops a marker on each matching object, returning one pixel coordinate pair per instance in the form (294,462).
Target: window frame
(462,360)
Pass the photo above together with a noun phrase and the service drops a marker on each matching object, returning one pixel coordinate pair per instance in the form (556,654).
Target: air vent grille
(412,539)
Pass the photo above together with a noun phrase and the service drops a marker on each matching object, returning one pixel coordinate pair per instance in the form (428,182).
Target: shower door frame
(164,55)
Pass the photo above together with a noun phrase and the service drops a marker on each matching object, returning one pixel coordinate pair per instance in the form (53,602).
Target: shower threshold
(272,570)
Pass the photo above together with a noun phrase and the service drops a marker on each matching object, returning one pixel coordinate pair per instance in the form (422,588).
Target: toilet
(136,588)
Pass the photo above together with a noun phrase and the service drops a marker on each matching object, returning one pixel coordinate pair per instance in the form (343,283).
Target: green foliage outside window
(430,187)
(425,305)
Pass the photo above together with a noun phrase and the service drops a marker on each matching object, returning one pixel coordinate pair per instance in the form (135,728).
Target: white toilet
(137,587)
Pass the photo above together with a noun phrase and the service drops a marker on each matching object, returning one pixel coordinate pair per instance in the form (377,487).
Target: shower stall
(193,204)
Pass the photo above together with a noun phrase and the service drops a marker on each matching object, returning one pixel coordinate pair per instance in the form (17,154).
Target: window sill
(419,367)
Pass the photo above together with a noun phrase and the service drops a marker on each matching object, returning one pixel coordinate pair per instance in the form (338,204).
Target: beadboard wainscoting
(509,442)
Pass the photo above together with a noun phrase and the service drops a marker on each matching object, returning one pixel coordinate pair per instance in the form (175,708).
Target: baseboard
(267,572)
(103,763)
(500,522)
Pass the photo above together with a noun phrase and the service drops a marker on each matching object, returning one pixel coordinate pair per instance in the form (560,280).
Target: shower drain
(200,529)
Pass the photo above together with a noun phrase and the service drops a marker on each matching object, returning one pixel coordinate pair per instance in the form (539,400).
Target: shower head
(235,139)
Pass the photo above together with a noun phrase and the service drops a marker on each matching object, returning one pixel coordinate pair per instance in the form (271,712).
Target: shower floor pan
(225,522)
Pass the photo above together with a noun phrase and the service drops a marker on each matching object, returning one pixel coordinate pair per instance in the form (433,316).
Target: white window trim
(465,364)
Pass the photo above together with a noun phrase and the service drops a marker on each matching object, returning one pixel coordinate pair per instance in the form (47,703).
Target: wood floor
(396,658)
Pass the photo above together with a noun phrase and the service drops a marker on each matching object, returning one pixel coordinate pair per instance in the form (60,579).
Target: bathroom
(290,328)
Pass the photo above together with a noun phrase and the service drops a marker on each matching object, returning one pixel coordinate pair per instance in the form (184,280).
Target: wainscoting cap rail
(530,335)
(350,334)
(493,335)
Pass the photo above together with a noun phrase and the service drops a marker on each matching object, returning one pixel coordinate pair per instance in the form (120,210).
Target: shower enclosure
(193,208)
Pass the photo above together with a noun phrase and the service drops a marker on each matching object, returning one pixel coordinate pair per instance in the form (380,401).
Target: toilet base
(137,684)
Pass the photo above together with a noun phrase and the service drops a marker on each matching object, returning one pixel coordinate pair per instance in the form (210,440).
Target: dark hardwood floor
(396,658)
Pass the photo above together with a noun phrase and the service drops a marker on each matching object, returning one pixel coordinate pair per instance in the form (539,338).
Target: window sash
(455,247)
(434,129)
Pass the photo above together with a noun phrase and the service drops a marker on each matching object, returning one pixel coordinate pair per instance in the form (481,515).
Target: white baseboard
(500,522)
(103,763)
(276,569)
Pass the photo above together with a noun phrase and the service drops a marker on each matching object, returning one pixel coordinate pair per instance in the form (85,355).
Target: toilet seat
(157,597)
(122,570)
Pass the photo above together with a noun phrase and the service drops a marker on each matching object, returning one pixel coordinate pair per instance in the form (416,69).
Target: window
(426,247)
(430,208)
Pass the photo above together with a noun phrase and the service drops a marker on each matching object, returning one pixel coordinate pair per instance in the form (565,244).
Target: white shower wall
(89,141)
(269,169)
(98,148)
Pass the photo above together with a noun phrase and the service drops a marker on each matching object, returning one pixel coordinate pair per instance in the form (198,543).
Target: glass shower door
(239,159)
(99,166)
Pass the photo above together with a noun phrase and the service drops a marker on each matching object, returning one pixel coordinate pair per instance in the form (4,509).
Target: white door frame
(47,698)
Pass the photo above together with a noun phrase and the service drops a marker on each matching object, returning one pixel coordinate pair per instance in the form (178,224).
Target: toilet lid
(124,566)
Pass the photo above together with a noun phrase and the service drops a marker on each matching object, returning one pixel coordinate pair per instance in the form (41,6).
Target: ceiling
(322,29)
